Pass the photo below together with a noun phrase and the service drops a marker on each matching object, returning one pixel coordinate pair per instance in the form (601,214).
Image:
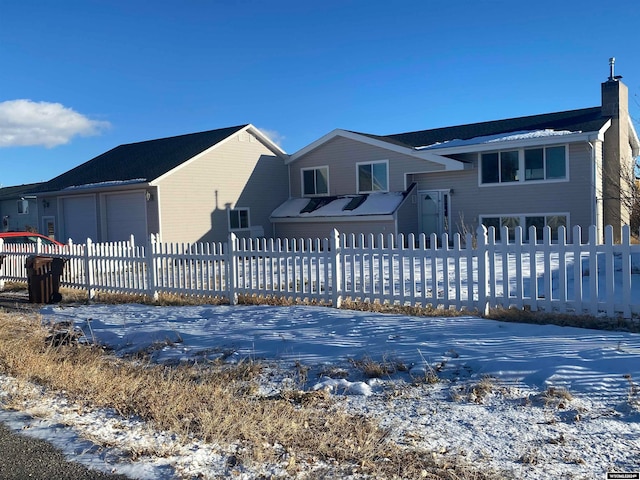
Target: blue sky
(91,75)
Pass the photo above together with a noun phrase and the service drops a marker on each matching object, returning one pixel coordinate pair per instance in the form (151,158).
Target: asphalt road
(23,457)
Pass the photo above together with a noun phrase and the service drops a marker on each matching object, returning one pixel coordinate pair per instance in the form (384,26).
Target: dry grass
(378,369)
(411,310)
(477,392)
(563,319)
(633,395)
(215,404)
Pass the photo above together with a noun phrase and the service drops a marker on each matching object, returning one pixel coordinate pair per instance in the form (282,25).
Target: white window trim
(521,167)
(238,209)
(386,163)
(522,217)
(303,193)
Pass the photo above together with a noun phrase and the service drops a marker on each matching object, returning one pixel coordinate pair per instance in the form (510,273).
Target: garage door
(79,218)
(126,215)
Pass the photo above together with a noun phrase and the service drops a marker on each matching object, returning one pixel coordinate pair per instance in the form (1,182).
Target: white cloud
(28,123)
(274,136)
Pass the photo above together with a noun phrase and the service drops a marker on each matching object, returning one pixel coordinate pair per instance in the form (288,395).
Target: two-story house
(561,168)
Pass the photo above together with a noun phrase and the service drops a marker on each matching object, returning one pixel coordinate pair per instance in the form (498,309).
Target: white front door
(434,209)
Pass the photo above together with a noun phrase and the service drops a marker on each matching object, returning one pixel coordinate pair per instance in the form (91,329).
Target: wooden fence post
(336,269)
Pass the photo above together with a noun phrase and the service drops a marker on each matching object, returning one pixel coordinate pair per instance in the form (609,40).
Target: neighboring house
(189,188)
(561,168)
(18,208)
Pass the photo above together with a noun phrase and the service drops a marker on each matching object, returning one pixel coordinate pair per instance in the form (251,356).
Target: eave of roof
(587,122)
(482,144)
(147,160)
(7,193)
(448,163)
(581,120)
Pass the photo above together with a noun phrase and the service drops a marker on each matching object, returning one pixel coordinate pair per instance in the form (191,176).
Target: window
(549,163)
(526,221)
(23,206)
(315,181)
(555,162)
(239,219)
(373,177)
(545,163)
(499,167)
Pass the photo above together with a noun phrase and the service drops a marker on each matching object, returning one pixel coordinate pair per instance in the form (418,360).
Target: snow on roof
(374,204)
(501,137)
(111,183)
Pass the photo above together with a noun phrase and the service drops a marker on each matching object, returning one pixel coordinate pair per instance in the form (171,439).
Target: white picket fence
(471,272)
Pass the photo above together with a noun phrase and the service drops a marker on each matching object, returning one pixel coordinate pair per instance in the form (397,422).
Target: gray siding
(19,221)
(325,229)
(407,215)
(469,200)
(240,173)
(341,156)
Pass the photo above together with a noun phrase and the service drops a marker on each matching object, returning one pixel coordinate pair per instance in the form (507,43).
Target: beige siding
(469,200)
(341,156)
(242,172)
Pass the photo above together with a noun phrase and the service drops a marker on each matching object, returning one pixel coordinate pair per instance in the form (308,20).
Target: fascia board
(262,137)
(448,163)
(266,140)
(313,145)
(529,142)
(95,189)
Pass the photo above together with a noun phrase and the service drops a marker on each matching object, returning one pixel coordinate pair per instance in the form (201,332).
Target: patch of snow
(384,203)
(111,183)
(515,426)
(501,137)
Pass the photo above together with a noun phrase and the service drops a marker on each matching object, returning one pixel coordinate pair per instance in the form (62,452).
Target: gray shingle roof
(8,193)
(146,160)
(584,120)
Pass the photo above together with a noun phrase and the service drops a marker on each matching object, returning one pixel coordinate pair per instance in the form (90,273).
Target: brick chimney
(617,155)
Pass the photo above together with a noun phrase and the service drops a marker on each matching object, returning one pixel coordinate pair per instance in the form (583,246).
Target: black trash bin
(43,274)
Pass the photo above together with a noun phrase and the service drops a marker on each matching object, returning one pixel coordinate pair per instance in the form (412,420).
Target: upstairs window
(315,181)
(545,163)
(23,207)
(239,219)
(500,167)
(373,177)
(538,164)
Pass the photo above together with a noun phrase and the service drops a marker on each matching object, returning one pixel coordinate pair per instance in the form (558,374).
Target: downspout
(595,211)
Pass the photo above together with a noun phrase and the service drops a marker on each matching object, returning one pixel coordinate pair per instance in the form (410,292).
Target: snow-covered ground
(520,427)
